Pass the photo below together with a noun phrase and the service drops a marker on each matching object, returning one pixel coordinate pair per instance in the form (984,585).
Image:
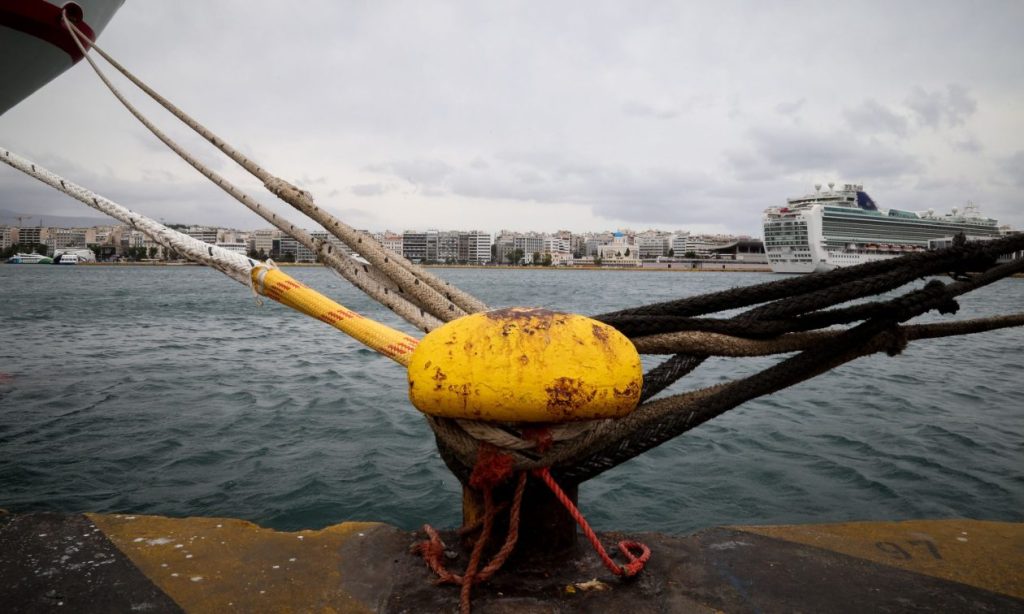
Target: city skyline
(585,116)
(7,217)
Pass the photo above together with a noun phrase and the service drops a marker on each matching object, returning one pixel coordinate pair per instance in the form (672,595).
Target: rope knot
(492,467)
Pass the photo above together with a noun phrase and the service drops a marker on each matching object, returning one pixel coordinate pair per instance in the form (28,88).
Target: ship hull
(35,48)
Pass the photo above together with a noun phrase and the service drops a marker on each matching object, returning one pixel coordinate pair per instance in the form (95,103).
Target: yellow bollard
(525,365)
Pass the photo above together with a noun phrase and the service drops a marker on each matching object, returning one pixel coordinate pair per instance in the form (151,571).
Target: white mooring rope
(364,277)
(234,265)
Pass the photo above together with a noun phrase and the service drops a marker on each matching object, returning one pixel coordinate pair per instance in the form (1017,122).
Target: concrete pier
(120,563)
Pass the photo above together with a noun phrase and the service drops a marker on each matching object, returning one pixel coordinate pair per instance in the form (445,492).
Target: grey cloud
(1013,167)
(306,180)
(968,145)
(425,173)
(936,109)
(642,109)
(787,150)
(790,108)
(159,175)
(370,189)
(211,158)
(646,195)
(871,117)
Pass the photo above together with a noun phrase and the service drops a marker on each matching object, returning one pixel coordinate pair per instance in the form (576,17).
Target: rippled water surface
(168,390)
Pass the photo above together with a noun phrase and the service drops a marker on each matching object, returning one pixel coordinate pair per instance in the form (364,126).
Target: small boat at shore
(21,258)
(66,259)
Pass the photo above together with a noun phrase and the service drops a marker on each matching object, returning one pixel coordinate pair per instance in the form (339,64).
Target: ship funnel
(831,184)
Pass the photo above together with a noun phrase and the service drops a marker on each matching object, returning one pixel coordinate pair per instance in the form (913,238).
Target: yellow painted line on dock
(984,554)
(221,565)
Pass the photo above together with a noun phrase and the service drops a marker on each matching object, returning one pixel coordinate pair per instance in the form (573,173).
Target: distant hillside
(10,218)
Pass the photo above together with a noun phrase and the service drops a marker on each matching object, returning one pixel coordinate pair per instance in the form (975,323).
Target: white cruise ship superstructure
(843,227)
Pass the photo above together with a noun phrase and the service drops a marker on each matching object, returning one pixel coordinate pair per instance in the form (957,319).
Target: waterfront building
(333,241)
(61,238)
(239,247)
(678,244)
(6,237)
(504,245)
(284,248)
(30,236)
(742,249)
(414,245)
(621,251)
(288,249)
(389,240)
(530,244)
(594,241)
(205,234)
(132,238)
(474,247)
(557,248)
(577,242)
(263,240)
(698,245)
(447,246)
(653,244)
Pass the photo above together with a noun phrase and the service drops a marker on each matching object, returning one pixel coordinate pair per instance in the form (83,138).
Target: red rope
(636,561)
(492,469)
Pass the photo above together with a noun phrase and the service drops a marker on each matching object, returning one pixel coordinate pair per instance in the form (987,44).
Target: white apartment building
(389,240)
(61,238)
(594,241)
(132,238)
(335,242)
(33,235)
(239,247)
(447,242)
(558,248)
(653,244)
(530,244)
(474,247)
(205,234)
(703,244)
(263,240)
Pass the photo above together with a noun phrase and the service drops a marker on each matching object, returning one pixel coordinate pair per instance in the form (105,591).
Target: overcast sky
(547,115)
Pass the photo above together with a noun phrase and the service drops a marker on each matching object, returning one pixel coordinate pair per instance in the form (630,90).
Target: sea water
(170,390)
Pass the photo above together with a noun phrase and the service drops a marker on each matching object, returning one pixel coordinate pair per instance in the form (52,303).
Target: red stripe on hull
(43,21)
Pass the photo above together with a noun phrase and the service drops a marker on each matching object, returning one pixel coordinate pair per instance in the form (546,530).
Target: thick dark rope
(610,451)
(714,344)
(639,326)
(658,421)
(667,373)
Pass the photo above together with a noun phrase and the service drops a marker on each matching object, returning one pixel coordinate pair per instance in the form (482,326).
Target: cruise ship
(843,227)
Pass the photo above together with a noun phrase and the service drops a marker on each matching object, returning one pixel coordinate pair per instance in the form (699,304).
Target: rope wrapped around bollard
(492,469)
